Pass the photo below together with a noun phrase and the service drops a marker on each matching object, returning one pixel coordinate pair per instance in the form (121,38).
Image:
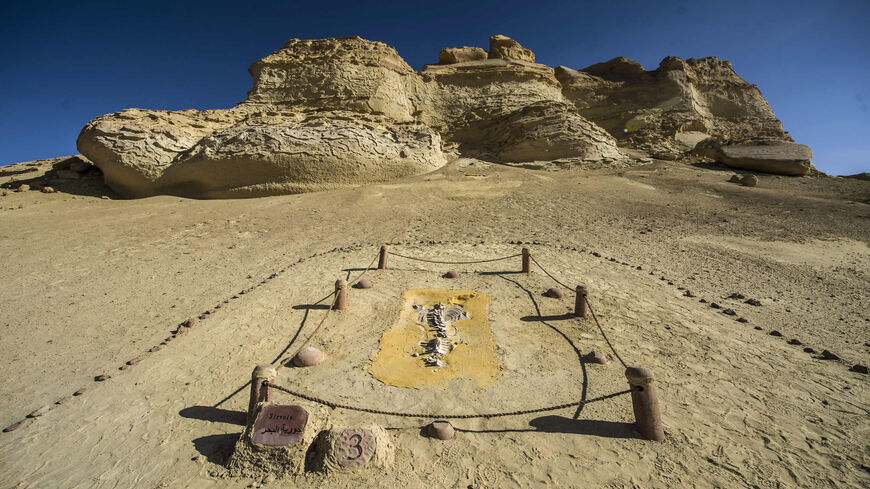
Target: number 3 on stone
(354,447)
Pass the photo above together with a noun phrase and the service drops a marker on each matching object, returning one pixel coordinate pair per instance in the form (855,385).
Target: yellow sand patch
(473,356)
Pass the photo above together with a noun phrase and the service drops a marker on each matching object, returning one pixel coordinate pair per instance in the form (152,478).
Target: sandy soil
(92,282)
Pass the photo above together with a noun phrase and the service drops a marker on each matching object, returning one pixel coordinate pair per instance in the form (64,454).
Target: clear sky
(64,63)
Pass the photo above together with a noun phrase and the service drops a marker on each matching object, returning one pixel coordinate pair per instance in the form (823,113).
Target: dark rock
(742,320)
(101,378)
(795,341)
(775,333)
(729,312)
(14,426)
(715,306)
(736,295)
(861,369)
(807,349)
(829,355)
(753,302)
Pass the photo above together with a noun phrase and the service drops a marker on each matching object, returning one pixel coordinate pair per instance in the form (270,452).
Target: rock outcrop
(672,108)
(333,113)
(448,56)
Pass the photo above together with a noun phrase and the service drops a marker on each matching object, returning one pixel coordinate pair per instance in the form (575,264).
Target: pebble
(753,302)
(451,274)
(829,355)
(48,190)
(861,369)
(597,357)
(749,181)
(22,188)
(737,295)
(308,357)
(14,426)
(101,378)
(729,312)
(795,341)
(79,392)
(554,292)
(363,284)
(63,400)
(734,178)
(742,320)
(442,430)
(189,323)
(775,333)
(41,411)
(758,328)
(688,293)
(715,306)
(154,349)
(809,350)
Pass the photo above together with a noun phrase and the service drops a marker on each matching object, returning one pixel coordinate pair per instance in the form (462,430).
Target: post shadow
(572,426)
(585,382)
(214,414)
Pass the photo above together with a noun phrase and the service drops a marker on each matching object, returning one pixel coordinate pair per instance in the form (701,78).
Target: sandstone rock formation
(332,113)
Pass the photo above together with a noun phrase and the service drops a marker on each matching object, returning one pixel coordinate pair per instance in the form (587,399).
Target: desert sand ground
(91,281)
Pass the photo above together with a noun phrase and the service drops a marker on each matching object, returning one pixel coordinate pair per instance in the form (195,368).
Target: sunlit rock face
(334,113)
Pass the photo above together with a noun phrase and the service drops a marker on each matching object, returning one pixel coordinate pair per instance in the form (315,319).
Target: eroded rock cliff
(340,112)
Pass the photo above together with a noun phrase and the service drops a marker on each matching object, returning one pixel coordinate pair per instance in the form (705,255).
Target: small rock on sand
(861,369)
(753,302)
(48,190)
(554,292)
(363,284)
(597,357)
(308,357)
(795,341)
(41,411)
(14,426)
(775,333)
(102,378)
(441,430)
(749,181)
(451,274)
(829,355)
(734,178)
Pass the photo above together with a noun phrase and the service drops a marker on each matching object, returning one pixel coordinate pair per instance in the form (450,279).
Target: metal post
(260,392)
(341,291)
(581,308)
(527,266)
(647,417)
(382,260)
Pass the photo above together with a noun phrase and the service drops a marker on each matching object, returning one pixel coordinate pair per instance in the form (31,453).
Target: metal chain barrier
(568,288)
(331,306)
(590,310)
(335,405)
(454,262)
(604,335)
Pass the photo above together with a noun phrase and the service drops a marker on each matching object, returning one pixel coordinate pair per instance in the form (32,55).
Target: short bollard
(382,259)
(527,266)
(647,417)
(260,392)
(581,307)
(341,293)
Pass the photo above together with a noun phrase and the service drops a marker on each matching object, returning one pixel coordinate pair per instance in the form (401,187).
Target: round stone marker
(354,447)
(554,292)
(451,274)
(597,357)
(442,430)
(308,357)
(363,284)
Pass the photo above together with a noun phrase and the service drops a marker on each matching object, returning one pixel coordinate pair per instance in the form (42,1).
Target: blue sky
(64,63)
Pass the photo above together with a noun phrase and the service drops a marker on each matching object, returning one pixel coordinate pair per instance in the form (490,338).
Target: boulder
(464,54)
(780,158)
(503,47)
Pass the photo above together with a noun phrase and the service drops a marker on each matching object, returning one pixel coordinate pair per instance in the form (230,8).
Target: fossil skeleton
(439,317)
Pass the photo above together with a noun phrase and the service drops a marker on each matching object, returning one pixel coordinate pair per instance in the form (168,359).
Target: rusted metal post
(341,292)
(581,308)
(260,392)
(527,266)
(647,417)
(382,259)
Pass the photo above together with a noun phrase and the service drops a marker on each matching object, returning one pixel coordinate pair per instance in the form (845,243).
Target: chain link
(335,405)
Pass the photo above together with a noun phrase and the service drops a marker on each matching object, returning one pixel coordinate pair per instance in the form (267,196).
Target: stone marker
(451,274)
(597,357)
(279,426)
(277,441)
(354,448)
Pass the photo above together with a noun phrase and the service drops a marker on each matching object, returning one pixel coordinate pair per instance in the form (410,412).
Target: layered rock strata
(333,113)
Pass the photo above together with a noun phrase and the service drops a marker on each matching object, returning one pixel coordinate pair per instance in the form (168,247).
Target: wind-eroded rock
(332,113)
